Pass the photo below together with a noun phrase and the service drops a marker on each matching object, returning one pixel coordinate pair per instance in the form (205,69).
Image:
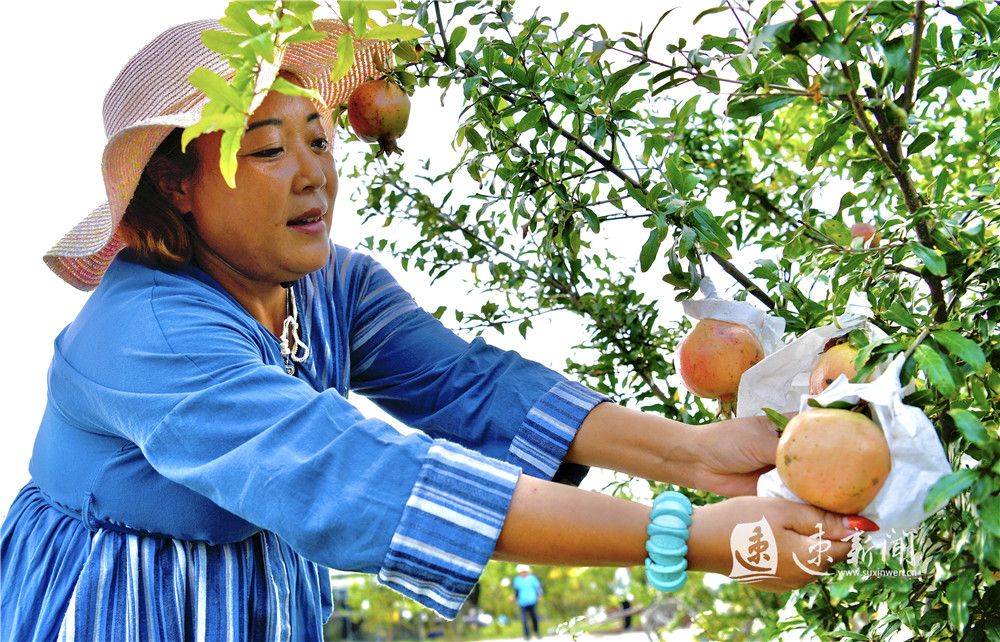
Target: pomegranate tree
(378,111)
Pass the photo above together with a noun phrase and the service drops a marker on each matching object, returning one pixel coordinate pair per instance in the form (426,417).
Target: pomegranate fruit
(378,111)
(715,355)
(834,459)
(866,231)
(836,361)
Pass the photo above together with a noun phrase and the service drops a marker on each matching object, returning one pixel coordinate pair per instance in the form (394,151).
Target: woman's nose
(312,170)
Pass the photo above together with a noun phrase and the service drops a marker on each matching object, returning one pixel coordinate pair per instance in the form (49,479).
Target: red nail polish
(859,523)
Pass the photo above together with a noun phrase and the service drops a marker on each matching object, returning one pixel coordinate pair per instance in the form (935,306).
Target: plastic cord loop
(670,519)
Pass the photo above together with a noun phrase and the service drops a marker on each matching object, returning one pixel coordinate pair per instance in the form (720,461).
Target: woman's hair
(152,227)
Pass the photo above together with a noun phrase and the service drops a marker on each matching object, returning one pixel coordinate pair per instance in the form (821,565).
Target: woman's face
(275,225)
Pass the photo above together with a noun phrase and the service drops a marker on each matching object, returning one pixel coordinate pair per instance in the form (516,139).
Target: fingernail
(859,523)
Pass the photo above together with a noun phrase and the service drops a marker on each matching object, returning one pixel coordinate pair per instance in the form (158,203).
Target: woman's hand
(733,454)
(725,457)
(794,526)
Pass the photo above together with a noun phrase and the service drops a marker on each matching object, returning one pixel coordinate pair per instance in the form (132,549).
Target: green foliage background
(715,150)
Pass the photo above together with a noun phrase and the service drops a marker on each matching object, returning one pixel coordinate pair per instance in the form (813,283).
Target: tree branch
(744,280)
(918,38)
(610,165)
(444,37)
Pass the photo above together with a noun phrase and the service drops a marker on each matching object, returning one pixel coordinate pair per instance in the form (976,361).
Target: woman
(199,466)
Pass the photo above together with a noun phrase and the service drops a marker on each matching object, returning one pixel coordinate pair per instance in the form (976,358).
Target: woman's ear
(170,183)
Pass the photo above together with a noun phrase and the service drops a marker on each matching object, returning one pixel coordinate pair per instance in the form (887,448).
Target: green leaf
(709,230)
(709,82)
(930,257)
(841,18)
(935,367)
(897,60)
(969,426)
(475,140)
(989,513)
(682,180)
(223,42)
(300,7)
(345,57)
(743,109)
(921,142)
(686,242)
(947,487)
(530,120)
(618,79)
(833,49)
(684,113)
(407,52)
(832,132)
(941,183)
(962,348)
(837,230)
(228,148)
(779,419)
(944,77)
(836,405)
(238,20)
(650,249)
(708,12)
(898,313)
(263,45)
(305,35)
(957,593)
(282,86)
(457,36)
(398,32)
(216,88)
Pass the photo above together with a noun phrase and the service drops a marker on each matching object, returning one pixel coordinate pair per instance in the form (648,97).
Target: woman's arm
(549,523)
(724,457)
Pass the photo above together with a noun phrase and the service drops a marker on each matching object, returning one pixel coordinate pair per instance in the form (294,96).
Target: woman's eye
(321,144)
(270,152)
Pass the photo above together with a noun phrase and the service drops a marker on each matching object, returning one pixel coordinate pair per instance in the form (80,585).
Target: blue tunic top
(185,486)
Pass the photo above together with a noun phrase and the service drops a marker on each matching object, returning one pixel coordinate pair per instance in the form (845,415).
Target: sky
(52,123)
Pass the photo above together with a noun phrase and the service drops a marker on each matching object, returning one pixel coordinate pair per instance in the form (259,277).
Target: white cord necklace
(293,350)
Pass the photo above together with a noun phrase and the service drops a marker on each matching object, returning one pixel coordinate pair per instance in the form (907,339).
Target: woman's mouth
(310,222)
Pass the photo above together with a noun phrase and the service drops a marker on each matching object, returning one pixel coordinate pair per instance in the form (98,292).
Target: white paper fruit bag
(779,381)
(918,459)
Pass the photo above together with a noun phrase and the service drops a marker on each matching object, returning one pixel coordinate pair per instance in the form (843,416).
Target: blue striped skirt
(60,581)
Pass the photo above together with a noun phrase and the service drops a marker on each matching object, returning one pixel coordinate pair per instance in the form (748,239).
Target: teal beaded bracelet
(670,519)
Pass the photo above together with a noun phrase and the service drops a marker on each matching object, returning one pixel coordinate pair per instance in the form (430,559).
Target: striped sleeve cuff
(550,426)
(449,527)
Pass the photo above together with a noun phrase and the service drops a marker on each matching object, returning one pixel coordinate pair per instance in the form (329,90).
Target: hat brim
(82,256)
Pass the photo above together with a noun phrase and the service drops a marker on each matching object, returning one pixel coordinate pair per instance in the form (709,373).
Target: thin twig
(437,11)
(738,21)
(916,342)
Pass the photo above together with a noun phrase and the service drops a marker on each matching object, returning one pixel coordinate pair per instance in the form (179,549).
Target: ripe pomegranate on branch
(713,358)
(379,111)
(837,359)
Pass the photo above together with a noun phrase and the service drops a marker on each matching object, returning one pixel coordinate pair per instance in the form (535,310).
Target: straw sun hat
(152,96)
